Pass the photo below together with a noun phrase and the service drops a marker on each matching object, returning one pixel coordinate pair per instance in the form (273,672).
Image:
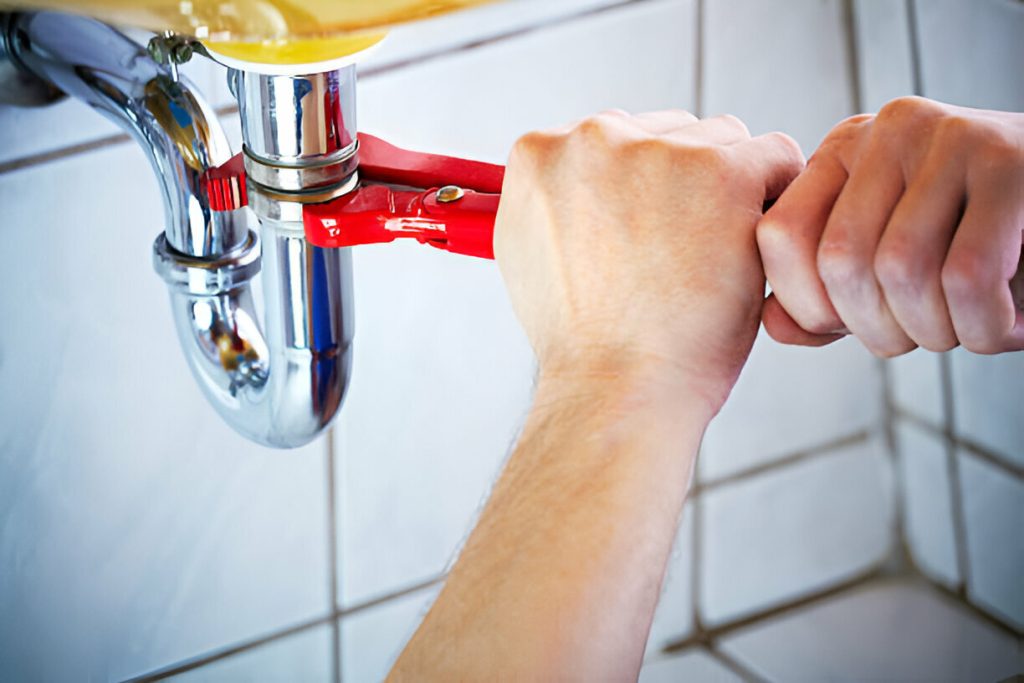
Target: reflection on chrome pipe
(281,389)
(94,63)
(280,386)
(299,131)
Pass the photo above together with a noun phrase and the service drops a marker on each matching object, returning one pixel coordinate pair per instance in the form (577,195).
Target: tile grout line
(97,144)
(225,110)
(198,661)
(332,554)
(917,76)
(388,597)
(900,550)
(953,467)
(981,452)
(853,56)
(63,153)
(953,596)
(715,633)
(698,61)
(246,645)
(786,460)
(733,664)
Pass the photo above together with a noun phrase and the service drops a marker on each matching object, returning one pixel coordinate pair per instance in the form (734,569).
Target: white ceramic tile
(888,631)
(691,665)
(988,393)
(971,52)
(673,618)
(409,42)
(443,373)
(994,517)
(790,399)
(928,510)
(371,640)
(916,383)
(794,530)
(136,529)
(543,79)
(778,68)
(884,54)
(302,657)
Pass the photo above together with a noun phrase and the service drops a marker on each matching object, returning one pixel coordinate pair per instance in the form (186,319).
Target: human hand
(627,244)
(906,230)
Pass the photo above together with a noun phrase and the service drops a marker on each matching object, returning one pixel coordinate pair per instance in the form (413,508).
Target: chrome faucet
(281,382)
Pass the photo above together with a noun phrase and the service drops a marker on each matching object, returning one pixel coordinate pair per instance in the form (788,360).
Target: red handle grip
(458,217)
(382,162)
(377,214)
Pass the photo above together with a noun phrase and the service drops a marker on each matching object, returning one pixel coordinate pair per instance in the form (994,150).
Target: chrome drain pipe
(280,383)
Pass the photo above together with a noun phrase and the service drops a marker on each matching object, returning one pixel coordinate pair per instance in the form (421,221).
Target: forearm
(562,574)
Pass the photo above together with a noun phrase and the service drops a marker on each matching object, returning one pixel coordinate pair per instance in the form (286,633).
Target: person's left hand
(905,230)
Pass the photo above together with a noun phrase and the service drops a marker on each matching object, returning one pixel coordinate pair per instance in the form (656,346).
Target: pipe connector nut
(207,277)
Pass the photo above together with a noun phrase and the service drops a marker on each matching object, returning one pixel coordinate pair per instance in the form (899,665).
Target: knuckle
(734,122)
(534,146)
(681,114)
(962,274)
(904,112)
(790,148)
(844,135)
(839,266)
(775,236)
(849,127)
(853,123)
(533,141)
(898,267)
(591,126)
(646,147)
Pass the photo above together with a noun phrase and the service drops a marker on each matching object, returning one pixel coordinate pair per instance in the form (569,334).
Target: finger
(783,329)
(662,122)
(719,130)
(777,160)
(913,248)
(982,261)
(788,237)
(846,255)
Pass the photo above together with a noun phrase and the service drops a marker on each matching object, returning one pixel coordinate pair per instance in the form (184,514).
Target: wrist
(632,373)
(627,382)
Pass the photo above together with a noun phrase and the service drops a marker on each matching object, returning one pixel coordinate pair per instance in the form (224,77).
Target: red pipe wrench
(445,202)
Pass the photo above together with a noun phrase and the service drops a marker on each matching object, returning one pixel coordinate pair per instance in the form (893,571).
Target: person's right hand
(627,244)
(906,229)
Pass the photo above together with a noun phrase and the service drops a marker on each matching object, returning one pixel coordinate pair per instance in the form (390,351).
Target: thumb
(783,329)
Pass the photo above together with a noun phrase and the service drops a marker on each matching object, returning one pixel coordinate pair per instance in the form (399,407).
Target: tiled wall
(139,534)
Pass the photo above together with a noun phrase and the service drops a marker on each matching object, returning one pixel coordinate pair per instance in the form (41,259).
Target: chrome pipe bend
(279,385)
(283,388)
